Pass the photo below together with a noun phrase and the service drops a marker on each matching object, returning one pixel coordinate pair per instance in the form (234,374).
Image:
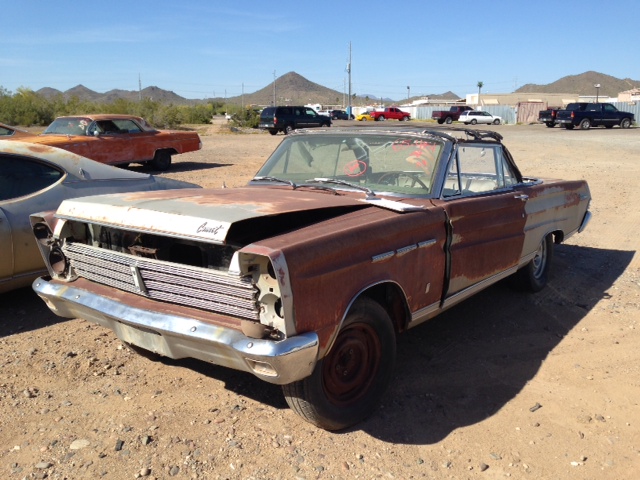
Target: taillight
(573,114)
(275,120)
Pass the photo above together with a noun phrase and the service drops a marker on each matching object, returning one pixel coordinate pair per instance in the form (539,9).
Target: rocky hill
(293,88)
(583,84)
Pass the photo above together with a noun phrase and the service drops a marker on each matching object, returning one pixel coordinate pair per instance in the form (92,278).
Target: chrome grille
(197,287)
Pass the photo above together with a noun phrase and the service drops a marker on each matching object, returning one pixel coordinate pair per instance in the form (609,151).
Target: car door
(108,143)
(486,218)
(29,186)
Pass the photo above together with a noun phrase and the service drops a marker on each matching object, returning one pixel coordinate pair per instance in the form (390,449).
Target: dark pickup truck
(449,116)
(548,116)
(587,115)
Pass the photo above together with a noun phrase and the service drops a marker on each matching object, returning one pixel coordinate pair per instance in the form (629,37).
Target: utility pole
(139,88)
(274,88)
(349,72)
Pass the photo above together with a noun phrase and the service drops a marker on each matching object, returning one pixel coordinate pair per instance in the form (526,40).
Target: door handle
(522,197)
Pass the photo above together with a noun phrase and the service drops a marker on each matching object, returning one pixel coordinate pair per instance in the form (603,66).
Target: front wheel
(625,123)
(348,383)
(496,122)
(161,160)
(288,129)
(405,119)
(535,274)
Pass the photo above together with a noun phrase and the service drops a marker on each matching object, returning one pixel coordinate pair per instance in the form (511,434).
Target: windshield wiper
(336,181)
(275,179)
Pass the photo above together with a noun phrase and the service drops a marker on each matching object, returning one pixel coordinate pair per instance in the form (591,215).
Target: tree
(480,85)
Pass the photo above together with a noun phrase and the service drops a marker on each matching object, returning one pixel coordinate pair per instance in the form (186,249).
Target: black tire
(496,122)
(568,127)
(326,125)
(288,129)
(625,123)
(347,384)
(474,121)
(273,131)
(381,118)
(534,275)
(405,119)
(440,121)
(585,124)
(162,160)
(608,126)
(448,120)
(550,124)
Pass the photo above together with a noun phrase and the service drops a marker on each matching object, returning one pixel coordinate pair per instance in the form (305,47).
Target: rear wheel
(568,127)
(625,123)
(535,274)
(348,383)
(440,121)
(585,124)
(273,131)
(550,124)
(381,118)
(474,121)
(449,121)
(162,160)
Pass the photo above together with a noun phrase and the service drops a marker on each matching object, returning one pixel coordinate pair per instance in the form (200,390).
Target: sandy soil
(506,385)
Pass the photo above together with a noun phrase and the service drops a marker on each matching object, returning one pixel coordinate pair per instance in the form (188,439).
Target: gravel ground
(505,385)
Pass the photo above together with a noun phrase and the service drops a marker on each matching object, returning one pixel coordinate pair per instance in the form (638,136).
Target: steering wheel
(355,168)
(392,178)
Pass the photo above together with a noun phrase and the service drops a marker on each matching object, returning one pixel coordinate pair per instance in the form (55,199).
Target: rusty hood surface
(208,214)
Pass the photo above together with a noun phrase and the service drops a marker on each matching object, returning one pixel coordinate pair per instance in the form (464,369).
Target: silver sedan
(36,178)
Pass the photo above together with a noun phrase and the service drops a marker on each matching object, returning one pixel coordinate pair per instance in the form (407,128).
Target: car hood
(212,215)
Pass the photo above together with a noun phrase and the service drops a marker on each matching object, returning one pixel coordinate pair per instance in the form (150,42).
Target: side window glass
(452,186)
(481,169)
(20,176)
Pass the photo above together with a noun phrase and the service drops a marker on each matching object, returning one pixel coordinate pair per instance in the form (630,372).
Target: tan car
(33,179)
(117,140)
(344,239)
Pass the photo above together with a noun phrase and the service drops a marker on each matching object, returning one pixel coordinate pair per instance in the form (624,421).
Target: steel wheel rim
(540,260)
(352,365)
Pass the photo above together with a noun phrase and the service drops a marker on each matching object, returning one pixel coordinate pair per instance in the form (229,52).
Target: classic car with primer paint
(117,140)
(38,177)
(304,277)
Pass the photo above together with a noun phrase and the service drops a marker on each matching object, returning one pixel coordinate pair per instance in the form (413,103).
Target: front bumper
(173,336)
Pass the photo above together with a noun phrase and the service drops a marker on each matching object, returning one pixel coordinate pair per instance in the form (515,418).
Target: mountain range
(293,88)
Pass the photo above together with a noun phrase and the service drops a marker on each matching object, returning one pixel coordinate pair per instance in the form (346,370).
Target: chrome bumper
(173,336)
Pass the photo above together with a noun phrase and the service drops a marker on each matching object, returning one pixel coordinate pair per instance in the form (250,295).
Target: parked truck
(451,115)
(587,115)
(548,116)
(390,113)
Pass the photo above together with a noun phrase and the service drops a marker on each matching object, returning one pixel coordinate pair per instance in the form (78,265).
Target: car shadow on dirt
(177,167)
(464,365)
(22,310)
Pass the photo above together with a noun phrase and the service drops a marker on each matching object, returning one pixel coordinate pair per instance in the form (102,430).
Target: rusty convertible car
(117,140)
(345,238)
(8,132)
(36,177)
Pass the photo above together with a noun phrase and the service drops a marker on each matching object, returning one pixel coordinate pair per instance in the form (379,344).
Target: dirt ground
(505,385)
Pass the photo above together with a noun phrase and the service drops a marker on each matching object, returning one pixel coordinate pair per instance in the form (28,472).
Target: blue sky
(205,48)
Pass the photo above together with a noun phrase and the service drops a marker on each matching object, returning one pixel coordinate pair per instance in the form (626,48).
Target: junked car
(475,116)
(117,139)
(7,132)
(37,177)
(344,238)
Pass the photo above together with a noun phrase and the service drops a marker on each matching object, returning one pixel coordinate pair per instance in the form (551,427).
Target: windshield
(400,164)
(69,126)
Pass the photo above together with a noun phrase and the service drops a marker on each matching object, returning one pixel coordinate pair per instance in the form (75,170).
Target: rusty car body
(117,139)
(304,277)
(37,177)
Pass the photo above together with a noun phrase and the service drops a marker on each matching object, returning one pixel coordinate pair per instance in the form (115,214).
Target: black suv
(287,119)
